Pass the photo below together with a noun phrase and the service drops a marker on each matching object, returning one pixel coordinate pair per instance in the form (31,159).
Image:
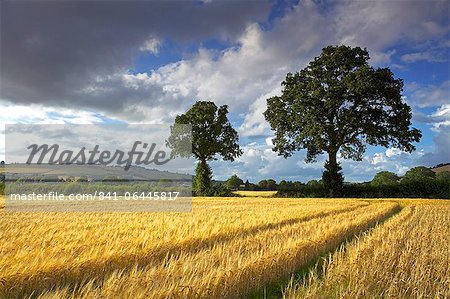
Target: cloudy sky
(147,61)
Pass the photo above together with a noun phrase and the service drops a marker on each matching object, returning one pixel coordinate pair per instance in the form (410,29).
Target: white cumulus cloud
(151,45)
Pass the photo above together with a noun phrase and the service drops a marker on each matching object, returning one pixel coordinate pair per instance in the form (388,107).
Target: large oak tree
(338,104)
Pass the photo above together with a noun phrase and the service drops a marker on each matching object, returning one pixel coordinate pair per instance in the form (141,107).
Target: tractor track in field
(275,290)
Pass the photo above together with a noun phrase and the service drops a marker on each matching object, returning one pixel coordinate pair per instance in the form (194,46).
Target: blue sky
(149,61)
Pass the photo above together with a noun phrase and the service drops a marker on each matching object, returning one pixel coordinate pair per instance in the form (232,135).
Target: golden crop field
(256,193)
(407,257)
(225,248)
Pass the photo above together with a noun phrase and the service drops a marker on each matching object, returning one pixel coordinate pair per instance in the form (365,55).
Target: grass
(225,248)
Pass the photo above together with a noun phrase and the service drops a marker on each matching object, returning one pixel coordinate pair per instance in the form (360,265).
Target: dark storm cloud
(52,50)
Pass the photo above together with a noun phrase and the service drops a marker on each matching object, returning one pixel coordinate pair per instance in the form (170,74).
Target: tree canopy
(338,104)
(269,184)
(419,173)
(212,133)
(385,178)
(234,182)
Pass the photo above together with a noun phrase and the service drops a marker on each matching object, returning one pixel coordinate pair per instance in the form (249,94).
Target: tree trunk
(332,178)
(333,172)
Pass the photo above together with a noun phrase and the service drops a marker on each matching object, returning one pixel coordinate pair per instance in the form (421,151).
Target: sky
(145,62)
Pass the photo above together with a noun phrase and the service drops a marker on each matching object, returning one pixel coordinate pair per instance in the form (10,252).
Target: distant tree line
(441,164)
(235,183)
(418,182)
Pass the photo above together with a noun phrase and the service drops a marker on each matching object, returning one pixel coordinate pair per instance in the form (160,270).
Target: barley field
(407,257)
(229,248)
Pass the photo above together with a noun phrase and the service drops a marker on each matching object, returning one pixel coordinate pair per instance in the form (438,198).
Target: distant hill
(441,167)
(92,172)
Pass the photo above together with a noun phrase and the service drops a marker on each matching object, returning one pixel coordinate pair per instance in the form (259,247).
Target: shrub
(219,190)
(298,189)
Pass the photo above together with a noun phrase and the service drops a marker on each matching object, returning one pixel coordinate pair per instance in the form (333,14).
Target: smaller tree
(212,136)
(271,185)
(419,173)
(383,178)
(234,182)
(262,184)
